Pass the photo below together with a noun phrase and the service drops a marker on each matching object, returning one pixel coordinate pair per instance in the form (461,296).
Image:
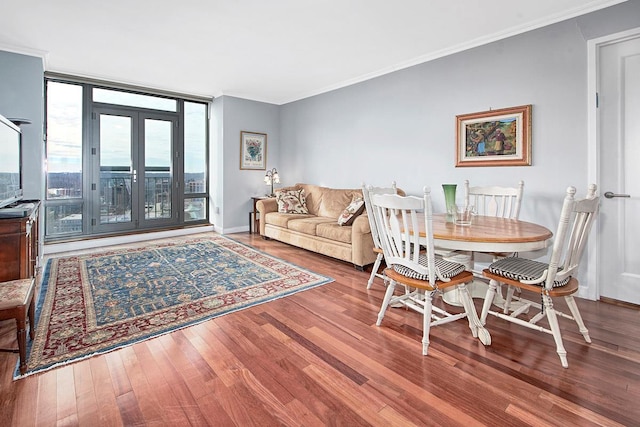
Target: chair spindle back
(576,220)
(398,219)
(495,201)
(367,191)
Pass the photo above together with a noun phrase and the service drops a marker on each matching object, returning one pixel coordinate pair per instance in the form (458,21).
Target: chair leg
(374,270)
(507,300)
(385,302)
(555,329)
(571,303)
(426,321)
(32,317)
(488,300)
(22,340)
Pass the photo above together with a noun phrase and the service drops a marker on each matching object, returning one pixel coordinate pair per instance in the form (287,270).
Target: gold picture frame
(494,138)
(253,150)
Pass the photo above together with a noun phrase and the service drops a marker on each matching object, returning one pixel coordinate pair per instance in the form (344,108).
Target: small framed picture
(253,150)
(494,138)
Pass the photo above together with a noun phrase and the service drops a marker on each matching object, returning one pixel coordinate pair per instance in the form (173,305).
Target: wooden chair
(418,269)
(496,201)
(555,279)
(17,302)
(377,246)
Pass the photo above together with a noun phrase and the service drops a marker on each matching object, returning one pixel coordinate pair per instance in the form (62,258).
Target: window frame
(87,134)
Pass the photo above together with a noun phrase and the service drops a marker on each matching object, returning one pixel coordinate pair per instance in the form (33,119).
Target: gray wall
(396,127)
(401,126)
(235,188)
(21,96)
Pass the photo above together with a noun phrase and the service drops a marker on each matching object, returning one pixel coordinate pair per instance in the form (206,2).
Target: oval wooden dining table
(489,234)
(485,234)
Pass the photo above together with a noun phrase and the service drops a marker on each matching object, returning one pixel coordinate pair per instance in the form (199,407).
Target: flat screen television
(10,162)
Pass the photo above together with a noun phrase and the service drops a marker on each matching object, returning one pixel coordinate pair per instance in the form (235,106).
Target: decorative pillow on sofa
(291,201)
(349,214)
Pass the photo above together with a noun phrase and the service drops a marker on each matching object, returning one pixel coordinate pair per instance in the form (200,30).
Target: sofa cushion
(313,197)
(291,201)
(282,219)
(335,200)
(308,225)
(355,208)
(333,231)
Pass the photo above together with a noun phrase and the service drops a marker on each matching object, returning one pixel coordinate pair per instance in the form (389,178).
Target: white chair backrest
(495,201)
(576,219)
(396,218)
(367,191)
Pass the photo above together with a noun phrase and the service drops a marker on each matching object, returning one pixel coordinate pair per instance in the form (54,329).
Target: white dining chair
(496,201)
(377,246)
(411,262)
(549,280)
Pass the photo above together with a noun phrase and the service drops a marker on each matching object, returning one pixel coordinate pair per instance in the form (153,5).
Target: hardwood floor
(317,358)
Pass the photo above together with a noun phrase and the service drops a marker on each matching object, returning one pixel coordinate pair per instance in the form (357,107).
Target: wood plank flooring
(317,358)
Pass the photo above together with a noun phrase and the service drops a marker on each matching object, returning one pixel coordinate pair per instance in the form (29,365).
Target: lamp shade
(272,177)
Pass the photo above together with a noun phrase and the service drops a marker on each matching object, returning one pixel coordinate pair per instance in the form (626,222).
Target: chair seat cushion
(523,269)
(447,268)
(15,293)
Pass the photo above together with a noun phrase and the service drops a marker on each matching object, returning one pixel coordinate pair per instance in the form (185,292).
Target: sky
(64,130)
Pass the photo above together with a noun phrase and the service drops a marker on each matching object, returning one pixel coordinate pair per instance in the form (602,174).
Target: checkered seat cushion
(447,269)
(523,269)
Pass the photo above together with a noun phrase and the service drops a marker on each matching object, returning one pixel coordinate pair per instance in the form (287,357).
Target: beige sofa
(319,230)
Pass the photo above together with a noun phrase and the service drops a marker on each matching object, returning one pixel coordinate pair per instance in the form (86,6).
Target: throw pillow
(349,214)
(291,201)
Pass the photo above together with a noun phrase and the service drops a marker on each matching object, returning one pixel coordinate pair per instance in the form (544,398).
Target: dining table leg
(477,328)
(488,300)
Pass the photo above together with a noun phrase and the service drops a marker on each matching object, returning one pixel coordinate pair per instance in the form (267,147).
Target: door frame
(592,289)
(138,132)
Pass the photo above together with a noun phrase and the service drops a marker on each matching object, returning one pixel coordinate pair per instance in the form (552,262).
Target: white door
(619,153)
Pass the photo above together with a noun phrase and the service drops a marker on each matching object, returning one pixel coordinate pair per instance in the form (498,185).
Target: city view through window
(124,164)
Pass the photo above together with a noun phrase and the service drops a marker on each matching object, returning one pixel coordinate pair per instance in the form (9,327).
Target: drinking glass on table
(464,213)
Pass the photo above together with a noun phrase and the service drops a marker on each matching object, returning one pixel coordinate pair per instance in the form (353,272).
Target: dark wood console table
(19,241)
(254,221)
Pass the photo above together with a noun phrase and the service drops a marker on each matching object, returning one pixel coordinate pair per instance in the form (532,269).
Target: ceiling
(274,51)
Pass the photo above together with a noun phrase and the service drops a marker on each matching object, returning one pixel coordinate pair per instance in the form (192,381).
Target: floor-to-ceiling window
(120,160)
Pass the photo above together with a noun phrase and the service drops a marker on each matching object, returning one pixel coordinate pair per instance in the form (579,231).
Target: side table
(254,221)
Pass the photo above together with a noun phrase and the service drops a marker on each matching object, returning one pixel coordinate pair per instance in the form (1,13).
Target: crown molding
(42,54)
(530,26)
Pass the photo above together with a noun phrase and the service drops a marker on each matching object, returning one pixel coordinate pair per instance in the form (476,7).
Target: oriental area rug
(94,303)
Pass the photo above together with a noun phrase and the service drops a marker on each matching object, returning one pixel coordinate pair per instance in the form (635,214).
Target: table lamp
(270,178)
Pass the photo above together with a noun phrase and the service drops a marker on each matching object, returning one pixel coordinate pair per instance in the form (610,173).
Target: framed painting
(253,150)
(494,138)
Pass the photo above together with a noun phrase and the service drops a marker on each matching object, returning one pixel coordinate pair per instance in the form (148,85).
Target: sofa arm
(264,206)
(361,224)
(362,242)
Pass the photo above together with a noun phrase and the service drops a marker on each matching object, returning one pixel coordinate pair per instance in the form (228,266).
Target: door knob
(610,195)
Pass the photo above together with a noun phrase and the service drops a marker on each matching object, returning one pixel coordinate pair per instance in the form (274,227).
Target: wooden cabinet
(19,241)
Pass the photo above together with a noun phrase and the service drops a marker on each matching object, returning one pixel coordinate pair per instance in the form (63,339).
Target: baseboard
(53,248)
(619,303)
